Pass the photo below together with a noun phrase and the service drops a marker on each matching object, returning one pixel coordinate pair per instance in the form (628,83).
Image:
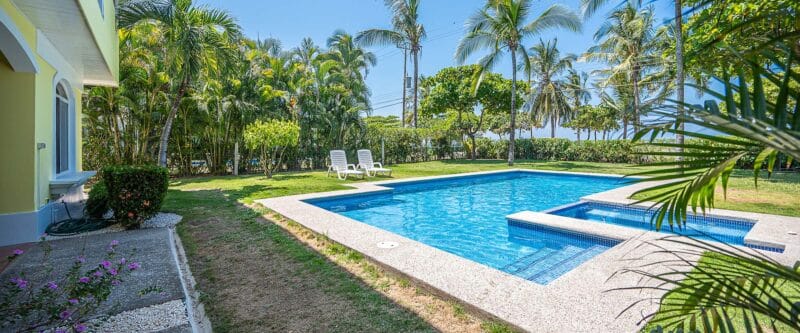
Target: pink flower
(114,242)
(115,282)
(73,301)
(122,261)
(113,272)
(18,252)
(81,259)
(134,266)
(106,264)
(64,314)
(52,285)
(21,284)
(84,280)
(98,273)
(80,328)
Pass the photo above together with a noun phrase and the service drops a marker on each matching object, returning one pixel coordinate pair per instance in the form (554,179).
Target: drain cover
(388,245)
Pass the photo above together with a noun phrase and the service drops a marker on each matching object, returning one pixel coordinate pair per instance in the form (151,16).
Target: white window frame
(71,134)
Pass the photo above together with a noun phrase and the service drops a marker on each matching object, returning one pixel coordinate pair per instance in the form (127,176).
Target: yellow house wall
(17,102)
(104,30)
(27,103)
(44,111)
(17,161)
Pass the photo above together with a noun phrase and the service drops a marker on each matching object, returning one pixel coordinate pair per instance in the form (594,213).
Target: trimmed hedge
(612,151)
(97,204)
(135,192)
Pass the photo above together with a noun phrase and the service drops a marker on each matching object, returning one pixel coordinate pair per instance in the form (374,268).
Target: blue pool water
(730,231)
(466,216)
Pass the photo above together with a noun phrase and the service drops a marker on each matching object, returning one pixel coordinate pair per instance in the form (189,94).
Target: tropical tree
(577,92)
(449,95)
(549,97)
(406,33)
(195,38)
(271,138)
(502,26)
(631,45)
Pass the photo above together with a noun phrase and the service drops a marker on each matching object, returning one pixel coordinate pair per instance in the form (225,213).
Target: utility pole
(405,60)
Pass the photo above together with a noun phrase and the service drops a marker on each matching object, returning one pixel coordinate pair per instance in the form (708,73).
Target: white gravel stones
(149,319)
(162,220)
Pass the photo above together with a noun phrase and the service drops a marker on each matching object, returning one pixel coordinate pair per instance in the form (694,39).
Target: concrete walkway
(150,247)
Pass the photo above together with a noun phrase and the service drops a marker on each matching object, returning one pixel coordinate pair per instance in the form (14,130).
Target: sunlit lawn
(779,194)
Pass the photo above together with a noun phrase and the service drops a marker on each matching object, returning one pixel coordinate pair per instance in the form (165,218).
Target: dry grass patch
(444,315)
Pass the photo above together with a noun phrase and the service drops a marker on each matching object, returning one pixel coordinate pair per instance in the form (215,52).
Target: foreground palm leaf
(726,290)
(748,123)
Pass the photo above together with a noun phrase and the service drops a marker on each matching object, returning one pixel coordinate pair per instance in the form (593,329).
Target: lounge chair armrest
(380,166)
(352,165)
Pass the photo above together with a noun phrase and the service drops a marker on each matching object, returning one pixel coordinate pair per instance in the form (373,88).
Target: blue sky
(291,21)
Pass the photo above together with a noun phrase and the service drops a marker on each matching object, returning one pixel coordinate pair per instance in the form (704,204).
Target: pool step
(557,263)
(529,260)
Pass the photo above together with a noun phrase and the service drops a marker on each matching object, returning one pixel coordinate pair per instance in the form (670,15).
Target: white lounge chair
(340,167)
(369,166)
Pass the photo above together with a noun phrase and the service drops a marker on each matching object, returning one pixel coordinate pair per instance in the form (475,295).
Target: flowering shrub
(135,193)
(62,303)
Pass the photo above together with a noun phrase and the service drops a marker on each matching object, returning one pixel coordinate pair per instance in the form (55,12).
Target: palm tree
(578,92)
(549,98)
(194,37)
(407,33)
(629,43)
(501,26)
(591,6)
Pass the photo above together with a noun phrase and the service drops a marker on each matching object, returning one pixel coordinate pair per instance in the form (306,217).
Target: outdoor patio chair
(340,167)
(372,168)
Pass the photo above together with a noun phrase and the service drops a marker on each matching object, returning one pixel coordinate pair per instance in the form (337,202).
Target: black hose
(72,226)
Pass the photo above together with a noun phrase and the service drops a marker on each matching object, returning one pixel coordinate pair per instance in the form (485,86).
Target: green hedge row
(613,151)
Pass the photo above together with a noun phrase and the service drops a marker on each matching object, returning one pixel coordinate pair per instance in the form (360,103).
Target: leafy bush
(97,204)
(271,139)
(135,192)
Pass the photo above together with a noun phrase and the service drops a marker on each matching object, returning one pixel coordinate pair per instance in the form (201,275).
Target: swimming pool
(466,216)
(725,230)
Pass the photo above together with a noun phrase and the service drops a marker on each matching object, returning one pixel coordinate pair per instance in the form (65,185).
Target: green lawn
(254,275)
(711,263)
(779,194)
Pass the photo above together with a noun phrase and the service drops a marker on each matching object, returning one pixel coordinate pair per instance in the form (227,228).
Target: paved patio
(151,247)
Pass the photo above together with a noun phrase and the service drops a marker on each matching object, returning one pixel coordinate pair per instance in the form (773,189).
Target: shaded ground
(256,277)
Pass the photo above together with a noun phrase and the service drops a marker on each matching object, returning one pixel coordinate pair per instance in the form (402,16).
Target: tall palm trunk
(416,81)
(164,141)
(636,111)
(679,69)
(513,105)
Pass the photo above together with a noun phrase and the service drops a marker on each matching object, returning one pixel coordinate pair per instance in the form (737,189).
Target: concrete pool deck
(578,301)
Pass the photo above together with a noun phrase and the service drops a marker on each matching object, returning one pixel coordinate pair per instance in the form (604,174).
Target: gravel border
(162,220)
(148,319)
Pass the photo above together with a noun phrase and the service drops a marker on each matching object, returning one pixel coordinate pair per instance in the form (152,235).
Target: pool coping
(580,293)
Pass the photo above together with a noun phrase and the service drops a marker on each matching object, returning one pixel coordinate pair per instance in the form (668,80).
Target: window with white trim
(62,129)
